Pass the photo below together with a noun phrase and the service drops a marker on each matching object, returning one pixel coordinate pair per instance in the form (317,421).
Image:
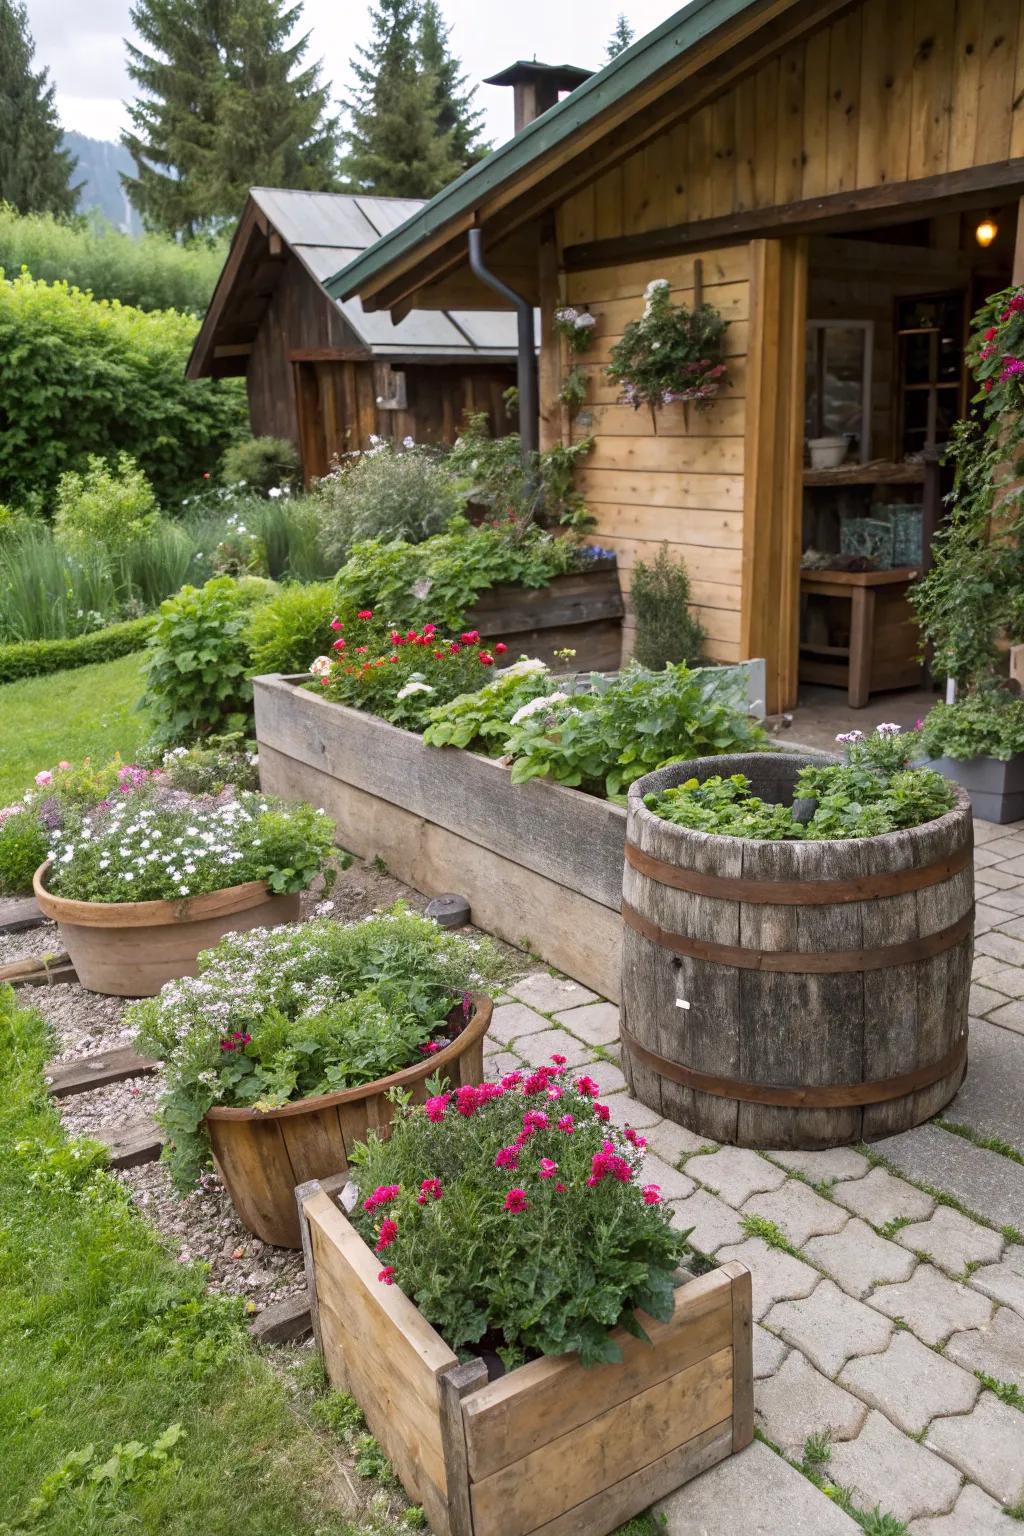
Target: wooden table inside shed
(883,642)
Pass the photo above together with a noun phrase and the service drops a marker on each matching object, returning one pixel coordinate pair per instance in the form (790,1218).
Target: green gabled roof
(630,69)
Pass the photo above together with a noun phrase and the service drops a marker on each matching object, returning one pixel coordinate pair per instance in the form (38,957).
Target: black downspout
(525,363)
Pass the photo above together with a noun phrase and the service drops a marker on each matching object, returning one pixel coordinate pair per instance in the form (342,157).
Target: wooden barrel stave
(794,1028)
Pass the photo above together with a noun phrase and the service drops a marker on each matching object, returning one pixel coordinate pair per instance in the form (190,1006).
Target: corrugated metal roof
(327,230)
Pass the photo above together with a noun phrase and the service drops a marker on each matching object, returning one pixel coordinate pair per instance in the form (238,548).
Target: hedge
(33,658)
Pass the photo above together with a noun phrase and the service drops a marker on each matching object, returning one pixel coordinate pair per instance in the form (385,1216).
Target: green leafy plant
(514,1212)
(23,844)
(262,465)
(987,723)
(575,326)
(109,505)
(90,1482)
(210,768)
(278,1016)
(385,493)
(666,630)
(35,658)
(671,353)
(479,721)
(287,631)
(573,389)
(489,473)
(198,663)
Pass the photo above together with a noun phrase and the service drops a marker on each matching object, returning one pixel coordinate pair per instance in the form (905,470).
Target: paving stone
(932,1305)
(836,1164)
(673,1184)
(511,1021)
(982,858)
(995,881)
(1009,846)
(550,993)
(499,1062)
(880,1198)
(883,1467)
(756,1493)
(1010,1016)
(987,1445)
(830,1327)
(769,1353)
(714,1223)
(1014,926)
(629,1111)
(609,1076)
(952,1240)
(735,1174)
(973,1514)
(672,1141)
(911,1384)
(996,1349)
(984,1181)
(989,1100)
(982,999)
(1000,945)
(1006,978)
(798,1211)
(987,831)
(987,918)
(538,1049)
(775,1276)
(597,1023)
(1014,1257)
(799,1401)
(858,1259)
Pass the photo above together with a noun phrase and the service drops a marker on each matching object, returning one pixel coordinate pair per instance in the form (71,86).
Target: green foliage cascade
(35,172)
(666,630)
(84,376)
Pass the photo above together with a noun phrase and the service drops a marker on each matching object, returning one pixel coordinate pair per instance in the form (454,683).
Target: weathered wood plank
(284,1322)
(19,913)
(129,1146)
(97,1071)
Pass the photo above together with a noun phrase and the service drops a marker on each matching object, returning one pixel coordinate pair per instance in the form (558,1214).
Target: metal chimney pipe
(526,366)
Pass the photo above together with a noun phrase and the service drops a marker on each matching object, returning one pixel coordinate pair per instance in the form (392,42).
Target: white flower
(584,322)
(321,666)
(274,492)
(537,706)
(654,285)
(887,728)
(524,667)
(411,688)
(408,442)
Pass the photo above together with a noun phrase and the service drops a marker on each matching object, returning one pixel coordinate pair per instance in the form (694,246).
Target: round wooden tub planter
(262,1155)
(131,948)
(794,994)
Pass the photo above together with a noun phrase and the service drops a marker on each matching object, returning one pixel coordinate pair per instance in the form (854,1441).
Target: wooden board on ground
(97,1071)
(131,1145)
(40,971)
(284,1322)
(19,913)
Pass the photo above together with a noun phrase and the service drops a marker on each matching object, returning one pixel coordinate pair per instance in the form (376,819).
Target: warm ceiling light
(986,233)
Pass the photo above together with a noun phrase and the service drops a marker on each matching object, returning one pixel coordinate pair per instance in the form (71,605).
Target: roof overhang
(248,278)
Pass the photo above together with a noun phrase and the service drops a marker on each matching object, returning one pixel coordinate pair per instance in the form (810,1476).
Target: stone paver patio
(888,1280)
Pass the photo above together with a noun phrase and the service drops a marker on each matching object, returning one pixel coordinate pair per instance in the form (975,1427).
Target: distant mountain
(99,166)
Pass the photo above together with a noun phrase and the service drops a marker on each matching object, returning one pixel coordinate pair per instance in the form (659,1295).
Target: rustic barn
(328,374)
(841,181)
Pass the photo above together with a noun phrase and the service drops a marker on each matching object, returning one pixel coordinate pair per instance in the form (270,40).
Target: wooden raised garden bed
(794,994)
(131,948)
(550,1447)
(263,1154)
(581,611)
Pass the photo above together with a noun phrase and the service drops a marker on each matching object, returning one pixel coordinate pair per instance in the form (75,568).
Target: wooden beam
(1018,249)
(889,202)
(331,355)
(236,349)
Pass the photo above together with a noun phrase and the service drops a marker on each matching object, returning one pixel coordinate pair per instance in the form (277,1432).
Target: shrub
(23,846)
(207,770)
(147,271)
(984,724)
(516,1211)
(262,464)
(489,473)
(666,630)
(196,675)
(385,494)
(111,507)
(287,631)
(84,376)
(34,658)
(282,1015)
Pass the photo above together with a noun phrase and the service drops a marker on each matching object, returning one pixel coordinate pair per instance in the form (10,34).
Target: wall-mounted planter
(550,1447)
(263,1154)
(131,948)
(581,611)
(996,788)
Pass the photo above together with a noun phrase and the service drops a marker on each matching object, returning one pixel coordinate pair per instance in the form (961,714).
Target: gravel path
(44,940)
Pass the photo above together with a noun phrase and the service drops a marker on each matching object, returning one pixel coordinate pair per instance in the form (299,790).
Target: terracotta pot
(130,948)
(263,1154)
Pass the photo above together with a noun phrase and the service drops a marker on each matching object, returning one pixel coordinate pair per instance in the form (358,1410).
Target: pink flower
(470,637)
(365,613)
(429,1189)
(511,1079)
(566,1124)
(436,1107)
(500,648)
(604,1163)
(651,1194)
(602,1111)
(337,624)
(64,764)
(560,1189)
(559,1061)
(468,1099)
(430,1046)
(387,1275)
(485,660)
(635,1139)
(554,1093)
(382,1195)
(548,1169)
(535,1120)
(45,777)
(227,1045)
(387,1234)
(587,1086)
(507,1157)
(516,1200)
(338,645)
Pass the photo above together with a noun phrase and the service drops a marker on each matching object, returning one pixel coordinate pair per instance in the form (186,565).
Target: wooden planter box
(263,1154)
(794,994)
(582,611)
(551,1447)
(131,948)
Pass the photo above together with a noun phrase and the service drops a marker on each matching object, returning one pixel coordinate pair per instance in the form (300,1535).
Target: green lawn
(105,1340)
(89,712)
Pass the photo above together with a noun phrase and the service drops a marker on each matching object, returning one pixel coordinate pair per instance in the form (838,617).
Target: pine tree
(454,108)
(35,172)
(621,38)
(395,146)
(226,105)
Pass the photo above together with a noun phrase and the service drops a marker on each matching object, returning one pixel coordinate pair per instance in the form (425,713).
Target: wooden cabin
(325,373)
(841,180)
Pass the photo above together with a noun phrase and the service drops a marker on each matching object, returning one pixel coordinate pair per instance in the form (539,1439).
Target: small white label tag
(348,1197)
(681,1002)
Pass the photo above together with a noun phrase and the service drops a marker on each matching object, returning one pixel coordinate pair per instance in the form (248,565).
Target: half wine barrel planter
(794,994)
(552,1446)
(130,948)
(263,1154)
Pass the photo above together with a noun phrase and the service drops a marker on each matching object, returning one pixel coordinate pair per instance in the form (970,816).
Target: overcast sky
(82,45)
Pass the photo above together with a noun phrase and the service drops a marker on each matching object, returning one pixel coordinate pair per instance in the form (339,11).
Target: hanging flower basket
(670,354)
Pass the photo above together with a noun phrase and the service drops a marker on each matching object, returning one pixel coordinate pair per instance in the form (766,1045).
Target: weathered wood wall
(299,316)
(884,93)
(671,481)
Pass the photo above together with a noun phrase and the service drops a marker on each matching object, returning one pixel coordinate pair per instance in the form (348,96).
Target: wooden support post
(742,1354)
(862,644)
(698,282)
(552,426)
(453,1385)
(1018,249)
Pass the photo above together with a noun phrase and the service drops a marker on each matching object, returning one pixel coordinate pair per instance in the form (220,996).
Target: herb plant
(23,846)
(516,1217)
(666,630)
(385,493)
(989,723)
(671,353)
(280,1015)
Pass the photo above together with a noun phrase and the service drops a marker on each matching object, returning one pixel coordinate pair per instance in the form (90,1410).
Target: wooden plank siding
(678,480)
(879,94)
